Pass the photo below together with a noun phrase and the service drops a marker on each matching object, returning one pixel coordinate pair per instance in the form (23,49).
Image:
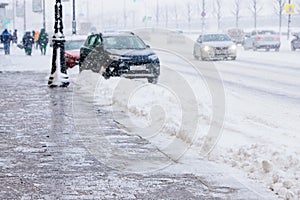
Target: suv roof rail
(129,32)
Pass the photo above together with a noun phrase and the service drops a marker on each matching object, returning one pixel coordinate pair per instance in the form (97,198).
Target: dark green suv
(119,54)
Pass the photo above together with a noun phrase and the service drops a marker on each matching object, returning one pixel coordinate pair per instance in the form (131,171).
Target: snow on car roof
(125,33)
(76,37)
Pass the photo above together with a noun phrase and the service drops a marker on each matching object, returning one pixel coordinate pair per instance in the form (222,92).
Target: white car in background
(175,36)
(214,46)
(262,39)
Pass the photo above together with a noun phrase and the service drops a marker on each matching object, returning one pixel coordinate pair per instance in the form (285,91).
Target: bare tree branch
(157,13)
(218,12)
(236,12)
(189,13)
(255,9)
(197,3)
(297,5)
(167,15)
(279,6)
(175,14)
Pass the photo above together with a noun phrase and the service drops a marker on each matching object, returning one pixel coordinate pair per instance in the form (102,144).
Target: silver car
(214,46)
(295,43)
(263,39)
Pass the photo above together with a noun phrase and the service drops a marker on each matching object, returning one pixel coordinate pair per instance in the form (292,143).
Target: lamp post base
(60,80)
(59,76)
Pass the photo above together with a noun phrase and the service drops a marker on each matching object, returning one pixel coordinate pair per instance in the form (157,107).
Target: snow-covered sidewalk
(260,137)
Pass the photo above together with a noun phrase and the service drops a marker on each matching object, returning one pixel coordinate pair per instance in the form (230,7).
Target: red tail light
(277,38)
(258,38)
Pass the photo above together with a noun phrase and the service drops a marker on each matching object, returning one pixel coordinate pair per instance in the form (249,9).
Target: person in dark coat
(43,41)
(33,35)
(27,43)
(15,37)
(5,39)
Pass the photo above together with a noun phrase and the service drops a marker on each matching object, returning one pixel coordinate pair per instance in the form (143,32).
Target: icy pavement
(44,156)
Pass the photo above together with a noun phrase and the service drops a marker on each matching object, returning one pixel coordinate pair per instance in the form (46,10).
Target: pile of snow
(260,130)
(148,110)
(277,169)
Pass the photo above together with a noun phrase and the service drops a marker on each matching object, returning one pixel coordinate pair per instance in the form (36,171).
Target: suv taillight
(258,38)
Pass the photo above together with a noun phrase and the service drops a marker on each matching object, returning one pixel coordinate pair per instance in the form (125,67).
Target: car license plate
(138,67)
(221,51)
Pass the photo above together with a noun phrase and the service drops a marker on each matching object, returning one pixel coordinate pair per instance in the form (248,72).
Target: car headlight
(207,48)
(153,57)
(232,47)
(118,58)
(114,57)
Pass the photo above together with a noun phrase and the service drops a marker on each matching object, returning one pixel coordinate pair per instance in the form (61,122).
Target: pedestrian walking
(33,35)
(15,37)
(36,37)
(43,41)
(5,39)
(28,41)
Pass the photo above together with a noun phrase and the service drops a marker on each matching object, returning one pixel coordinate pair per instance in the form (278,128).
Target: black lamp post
(24,10)
(44,15)
(74,20)
(59,76)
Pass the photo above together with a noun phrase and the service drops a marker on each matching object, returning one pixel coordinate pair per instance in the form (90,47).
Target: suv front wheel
(153,80)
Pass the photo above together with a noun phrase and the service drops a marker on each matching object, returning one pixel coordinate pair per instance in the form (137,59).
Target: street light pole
(289,23)
(124,13)
(24,4)
(203,14)
(44,15)
(14,14)
(74,20)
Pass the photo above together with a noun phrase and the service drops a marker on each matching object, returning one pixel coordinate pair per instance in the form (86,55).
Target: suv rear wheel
(153,80)
(293,48)
(195,55)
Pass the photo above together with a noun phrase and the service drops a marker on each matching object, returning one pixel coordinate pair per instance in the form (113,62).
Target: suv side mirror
(148,46)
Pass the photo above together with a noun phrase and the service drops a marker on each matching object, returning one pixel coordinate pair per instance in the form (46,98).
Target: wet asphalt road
(42,156)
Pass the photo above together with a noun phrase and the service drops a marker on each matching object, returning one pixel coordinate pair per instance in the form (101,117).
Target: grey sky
(112,11)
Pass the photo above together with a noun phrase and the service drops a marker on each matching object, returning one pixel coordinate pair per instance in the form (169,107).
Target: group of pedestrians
(39,38)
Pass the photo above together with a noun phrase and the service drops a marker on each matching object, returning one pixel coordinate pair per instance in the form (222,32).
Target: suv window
(93,41)
(123,42)
(98,41)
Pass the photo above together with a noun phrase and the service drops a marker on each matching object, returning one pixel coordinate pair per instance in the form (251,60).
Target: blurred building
(3,4)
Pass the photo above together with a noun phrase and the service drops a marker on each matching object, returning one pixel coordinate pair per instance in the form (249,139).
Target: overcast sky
(112,11)
(149,6)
